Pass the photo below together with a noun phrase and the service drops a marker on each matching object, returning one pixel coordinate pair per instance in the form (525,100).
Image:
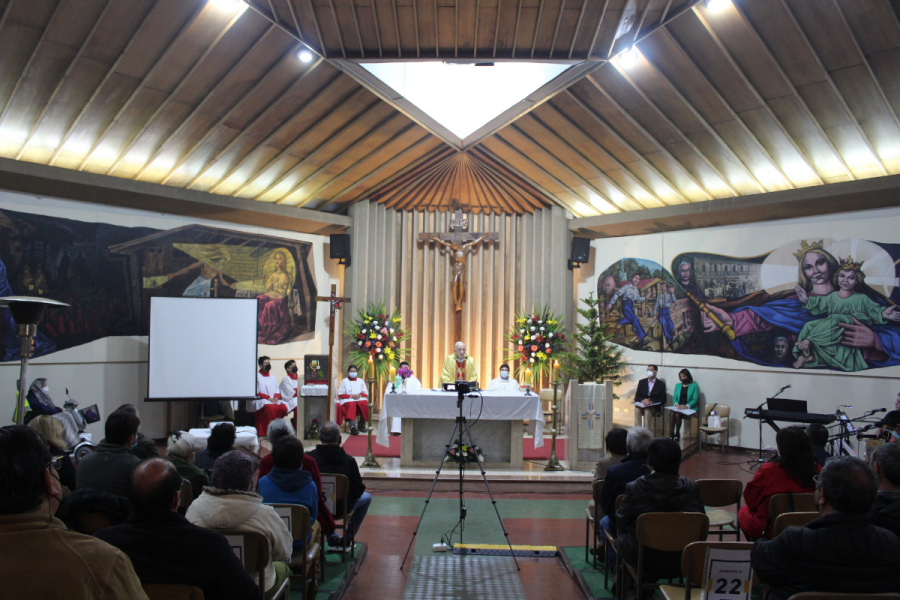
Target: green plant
(593,358)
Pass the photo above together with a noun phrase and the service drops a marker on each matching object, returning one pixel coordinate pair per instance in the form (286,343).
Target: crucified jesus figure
(458,260)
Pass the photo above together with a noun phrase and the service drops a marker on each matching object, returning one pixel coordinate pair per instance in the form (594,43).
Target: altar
(494,418)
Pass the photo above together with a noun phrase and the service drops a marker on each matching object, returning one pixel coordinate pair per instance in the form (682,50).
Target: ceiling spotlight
(305,55)
(629,58)
(717,5)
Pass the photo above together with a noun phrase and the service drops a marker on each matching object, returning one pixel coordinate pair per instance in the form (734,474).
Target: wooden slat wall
(528,265)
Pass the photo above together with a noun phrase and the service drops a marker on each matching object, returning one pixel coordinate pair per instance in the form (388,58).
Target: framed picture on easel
(316,368)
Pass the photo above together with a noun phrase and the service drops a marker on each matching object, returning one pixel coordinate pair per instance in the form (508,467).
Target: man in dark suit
(650,391)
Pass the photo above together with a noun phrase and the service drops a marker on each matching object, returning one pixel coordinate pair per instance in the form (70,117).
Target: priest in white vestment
(412,383)
(288,385)
(269,406)
(352,398)
(504,383)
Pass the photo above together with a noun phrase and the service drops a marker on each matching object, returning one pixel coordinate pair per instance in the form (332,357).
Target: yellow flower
(527,337)
(372,336)
(396,319)
(541,356)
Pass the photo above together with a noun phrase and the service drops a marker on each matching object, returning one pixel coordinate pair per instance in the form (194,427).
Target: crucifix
(335,305)
(460,242)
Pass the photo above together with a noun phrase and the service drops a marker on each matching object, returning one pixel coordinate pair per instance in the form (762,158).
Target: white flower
(529,321)
(542,328)
(395,338)
(381,357)
(531,359)
(547,345)
(359,343)
(549,335)
(521,331)
(532,329)
(374,323)
(365,331)
(378,337)
(540,323)
(391,330)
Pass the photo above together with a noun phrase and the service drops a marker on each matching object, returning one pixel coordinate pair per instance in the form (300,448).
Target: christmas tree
(594,358)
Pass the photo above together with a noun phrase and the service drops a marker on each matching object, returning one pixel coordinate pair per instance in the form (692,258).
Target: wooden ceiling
(209,95)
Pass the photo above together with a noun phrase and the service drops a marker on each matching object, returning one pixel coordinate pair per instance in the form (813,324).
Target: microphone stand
(761,460)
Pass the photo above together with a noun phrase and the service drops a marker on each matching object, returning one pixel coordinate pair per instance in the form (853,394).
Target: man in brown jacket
(39,557)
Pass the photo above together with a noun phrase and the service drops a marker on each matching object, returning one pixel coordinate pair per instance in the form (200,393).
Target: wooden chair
(187,496)
(839,596)
(91,522)
(664,532)
(693,563)
(610,542)
(172,591)
(717,493)
(591,520)
(787,503)
(724,412)
(792,519)
(255,558)
(298,521)
(341,492)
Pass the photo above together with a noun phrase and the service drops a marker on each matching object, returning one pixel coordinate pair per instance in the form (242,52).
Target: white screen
(202,348)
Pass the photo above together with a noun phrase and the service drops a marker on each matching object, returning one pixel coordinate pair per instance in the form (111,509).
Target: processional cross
(334,302)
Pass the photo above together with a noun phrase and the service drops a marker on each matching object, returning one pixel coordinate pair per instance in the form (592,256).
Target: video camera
(462,387)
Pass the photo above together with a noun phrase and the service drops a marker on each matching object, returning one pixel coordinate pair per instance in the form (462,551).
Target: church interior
(671,217)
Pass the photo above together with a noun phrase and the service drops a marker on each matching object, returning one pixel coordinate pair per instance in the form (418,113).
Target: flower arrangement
(468,454)
(377,334)
(537,338)
(405,372)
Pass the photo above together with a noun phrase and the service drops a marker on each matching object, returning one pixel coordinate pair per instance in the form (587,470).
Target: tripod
(459,428)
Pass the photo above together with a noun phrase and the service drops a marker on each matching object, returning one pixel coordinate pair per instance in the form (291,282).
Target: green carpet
(509,509)
(335,570)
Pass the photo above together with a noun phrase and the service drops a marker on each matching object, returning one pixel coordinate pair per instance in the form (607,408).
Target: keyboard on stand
(769,416)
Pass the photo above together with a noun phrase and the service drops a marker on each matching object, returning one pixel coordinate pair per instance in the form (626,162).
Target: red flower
(547,351)
(368,344)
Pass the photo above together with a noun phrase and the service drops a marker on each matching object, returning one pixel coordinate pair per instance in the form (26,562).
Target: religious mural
(809,304)
(109,273)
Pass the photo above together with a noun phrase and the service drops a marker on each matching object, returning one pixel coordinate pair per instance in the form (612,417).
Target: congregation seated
(55,438)
(886,508)
(634,465)
(278,430)
(841,551)
(180,451)
(221,440)
(165,548)
(109,467)
(144,447)
(228,502)
(331,458)
(791,471)
(616,449)
(288,483)
(664,490)
(818,435)
(39,557)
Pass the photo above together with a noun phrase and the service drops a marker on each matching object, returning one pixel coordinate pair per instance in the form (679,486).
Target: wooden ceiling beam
(597,31)
(477,23)
(162,147)
(397,29)
(318,28)
(665,12)
(109,73)
(297,33)
(512,179)
(834,88)
(377,29)
(40,119)
(612,44)
(517,194)
(516,30)
(796,93)
(293,12)
(426,162)
(485,182)
(415,5)
(577,28)
(559,16)
(752,89)
(184,80)
(5,16)
(423,181)
(634,123)
(337,28)
(34,52)
(437,37)
(537,25)
(455,29)
(496,27)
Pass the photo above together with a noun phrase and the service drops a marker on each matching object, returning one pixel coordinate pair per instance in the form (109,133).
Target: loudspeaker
(340,248)
(581,250)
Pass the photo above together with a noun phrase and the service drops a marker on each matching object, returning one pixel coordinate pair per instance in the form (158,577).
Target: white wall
(113,371)
(737,383)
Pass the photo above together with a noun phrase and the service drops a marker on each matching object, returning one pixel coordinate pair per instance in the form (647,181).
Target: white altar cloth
(429,404)
(244,437)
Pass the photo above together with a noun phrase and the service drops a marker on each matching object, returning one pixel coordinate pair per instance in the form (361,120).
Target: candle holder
(369,461)
(553,464)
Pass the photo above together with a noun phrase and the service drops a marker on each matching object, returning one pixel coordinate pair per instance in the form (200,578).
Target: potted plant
(593,359)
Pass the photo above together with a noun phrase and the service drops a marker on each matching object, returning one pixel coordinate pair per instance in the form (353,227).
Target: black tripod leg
(433,484)
(465,426)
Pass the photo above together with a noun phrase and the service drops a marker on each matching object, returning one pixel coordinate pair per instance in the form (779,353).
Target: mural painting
(809,304)
(109,273)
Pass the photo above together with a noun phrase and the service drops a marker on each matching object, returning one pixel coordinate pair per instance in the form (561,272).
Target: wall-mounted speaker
(581,252)
(340,248)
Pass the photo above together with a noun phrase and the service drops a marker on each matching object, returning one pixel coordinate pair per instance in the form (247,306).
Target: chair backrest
(720,492)
(341,486)
(618,503)
(792,519)
(693,559)
(671,532)
(723,410)
(252,549)
(596,490)
(172,591)
(790,502)
(91,522)
(187,496)
(840,596)
(297,519)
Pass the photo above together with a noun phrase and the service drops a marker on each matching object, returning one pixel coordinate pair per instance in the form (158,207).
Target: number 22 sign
(728,575)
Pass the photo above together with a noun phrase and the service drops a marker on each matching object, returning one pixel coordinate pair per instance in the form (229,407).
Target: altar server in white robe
(504,383)
(412,383)
(352,397)
(269,406)
(288,385)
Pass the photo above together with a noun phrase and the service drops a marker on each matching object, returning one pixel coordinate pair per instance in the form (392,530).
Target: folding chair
(252,548)
(341,491)
(717,493)
(693,565)
(187,496)
(724,412)
(297,518)
(172,591)
(792,519)
(591,519)
(787,503)
(610,541)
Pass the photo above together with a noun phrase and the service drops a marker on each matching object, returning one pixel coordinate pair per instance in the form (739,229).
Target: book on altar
(684,411)
(642,405)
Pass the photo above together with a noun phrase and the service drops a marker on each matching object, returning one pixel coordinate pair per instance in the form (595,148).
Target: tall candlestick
(555,370)
(371,367)
(393,372)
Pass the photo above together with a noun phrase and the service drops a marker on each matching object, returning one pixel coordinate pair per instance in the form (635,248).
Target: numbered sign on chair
(329,490)
(285,513)
(728,575)
(237,545)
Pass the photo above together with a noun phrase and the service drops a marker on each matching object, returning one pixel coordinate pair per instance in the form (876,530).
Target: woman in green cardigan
(686,395)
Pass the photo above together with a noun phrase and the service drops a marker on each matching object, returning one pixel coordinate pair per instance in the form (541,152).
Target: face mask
(294,369)
(46,390)
(352,375)
(134,445)
(895,435)
(650,374)
(267,368)
(504,374)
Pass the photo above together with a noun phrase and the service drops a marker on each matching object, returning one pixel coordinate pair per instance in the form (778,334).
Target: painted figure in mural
(819,342)
(10,345)
(661,314)
(701,341)
(605,290)
(630,295)
(274,317)
(780,349)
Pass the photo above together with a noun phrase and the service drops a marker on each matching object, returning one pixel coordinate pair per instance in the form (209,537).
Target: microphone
(879,410)
(785,387)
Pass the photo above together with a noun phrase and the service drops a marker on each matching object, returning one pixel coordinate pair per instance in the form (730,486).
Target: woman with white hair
(180,449)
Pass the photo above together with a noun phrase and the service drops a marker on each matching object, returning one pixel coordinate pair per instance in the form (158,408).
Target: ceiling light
(718,5)
(305,55)
(629,58)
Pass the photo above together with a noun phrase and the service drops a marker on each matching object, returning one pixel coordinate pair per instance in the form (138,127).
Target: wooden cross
(335,305)
(460,242)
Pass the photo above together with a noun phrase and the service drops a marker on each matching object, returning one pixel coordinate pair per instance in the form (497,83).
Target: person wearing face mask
(504,383)
(268,407)
(109,467)
(144,447)
(31,535)
(412,384)
(650,391)
(39,400)
(686,395)
(352,397)
(288,385)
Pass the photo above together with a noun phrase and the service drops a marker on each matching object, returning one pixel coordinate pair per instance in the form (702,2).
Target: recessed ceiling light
(629,58)
(305,55)
(718,5)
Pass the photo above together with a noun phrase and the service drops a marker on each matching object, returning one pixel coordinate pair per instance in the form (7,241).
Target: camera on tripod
(463,388)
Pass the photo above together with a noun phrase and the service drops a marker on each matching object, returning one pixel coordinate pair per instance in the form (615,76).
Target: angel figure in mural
(819,342)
